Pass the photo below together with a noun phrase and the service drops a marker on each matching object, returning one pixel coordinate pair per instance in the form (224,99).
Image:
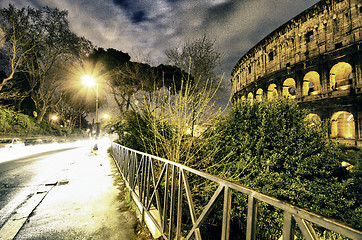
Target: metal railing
(159,186)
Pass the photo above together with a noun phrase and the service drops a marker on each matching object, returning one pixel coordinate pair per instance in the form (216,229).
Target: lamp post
(90,82)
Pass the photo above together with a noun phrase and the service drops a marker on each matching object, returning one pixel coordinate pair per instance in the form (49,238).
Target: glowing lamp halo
(88,80)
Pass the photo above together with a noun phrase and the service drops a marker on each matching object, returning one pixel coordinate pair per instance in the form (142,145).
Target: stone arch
(250,96)
(289,88)
(342,125)
(272,92)
(2,37)
(340,76)
(311,84)
(259,96)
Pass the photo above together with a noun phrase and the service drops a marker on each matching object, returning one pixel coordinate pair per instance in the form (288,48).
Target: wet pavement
(87,201)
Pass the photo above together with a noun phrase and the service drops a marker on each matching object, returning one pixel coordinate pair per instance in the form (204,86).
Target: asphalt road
(64,194)
(21,178)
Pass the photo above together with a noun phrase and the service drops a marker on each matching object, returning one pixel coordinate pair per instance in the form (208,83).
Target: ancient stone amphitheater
(315,59)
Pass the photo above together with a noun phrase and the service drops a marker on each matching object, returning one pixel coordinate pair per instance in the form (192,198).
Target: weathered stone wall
(314,58)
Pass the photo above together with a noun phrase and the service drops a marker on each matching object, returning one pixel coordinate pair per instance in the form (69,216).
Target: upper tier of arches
(314,59)
(326,27)
(340,78)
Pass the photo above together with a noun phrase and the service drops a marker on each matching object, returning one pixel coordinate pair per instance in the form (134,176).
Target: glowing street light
(89,81)
(53,119)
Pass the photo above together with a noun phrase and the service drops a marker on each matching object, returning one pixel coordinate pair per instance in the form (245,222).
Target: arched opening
(272,91)
(340,76)
(313,119)
(259,95)
(311,84)
(243,98)
(250,97)
(289,89)
(342,125)
(2,37)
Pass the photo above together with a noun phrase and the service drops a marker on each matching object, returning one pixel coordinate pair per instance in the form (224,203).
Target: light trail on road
(26,174)
(71,194)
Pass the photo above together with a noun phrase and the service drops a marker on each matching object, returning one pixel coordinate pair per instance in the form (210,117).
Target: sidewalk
(88,202)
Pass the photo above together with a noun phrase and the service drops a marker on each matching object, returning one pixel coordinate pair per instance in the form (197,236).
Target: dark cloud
(146,28)
(221,11)
(135,10)
(173,1)
(138,16)
(122,3)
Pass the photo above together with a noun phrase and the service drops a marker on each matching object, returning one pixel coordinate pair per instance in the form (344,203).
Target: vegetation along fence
(167,198)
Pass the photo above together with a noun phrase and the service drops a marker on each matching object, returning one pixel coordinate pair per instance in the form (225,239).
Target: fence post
(226,214)
(251,218)
(172,204)
(288,226)
(165,201)
(179,206)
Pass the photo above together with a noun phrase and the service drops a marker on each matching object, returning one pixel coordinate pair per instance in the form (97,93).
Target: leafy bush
(141,131)
(167,123)
(272,148)
(8,121)
(13,123)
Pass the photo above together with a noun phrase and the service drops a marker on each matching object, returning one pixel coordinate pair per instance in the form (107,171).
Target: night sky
(146,28)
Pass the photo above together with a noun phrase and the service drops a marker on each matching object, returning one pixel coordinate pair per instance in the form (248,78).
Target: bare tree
(199,58)
(40,43)
(70,110)
(15,43)
(171,131)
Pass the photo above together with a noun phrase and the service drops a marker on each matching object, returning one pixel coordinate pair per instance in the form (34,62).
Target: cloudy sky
(146,28)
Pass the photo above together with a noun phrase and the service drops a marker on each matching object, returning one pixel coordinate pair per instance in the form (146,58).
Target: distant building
(315,58)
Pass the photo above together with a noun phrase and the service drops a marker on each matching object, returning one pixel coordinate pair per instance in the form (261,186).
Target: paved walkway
(87,203)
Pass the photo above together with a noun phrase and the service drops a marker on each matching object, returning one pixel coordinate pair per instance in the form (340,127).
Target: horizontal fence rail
(162,188)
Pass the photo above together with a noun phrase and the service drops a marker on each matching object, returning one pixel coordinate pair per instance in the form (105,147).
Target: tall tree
(48,44)
(127,81)
(15,44)
(127,78)
(198,58)
(121,77)
(56,46)
(70,110)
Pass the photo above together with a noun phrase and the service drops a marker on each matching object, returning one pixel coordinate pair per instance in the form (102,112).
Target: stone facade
(315,58)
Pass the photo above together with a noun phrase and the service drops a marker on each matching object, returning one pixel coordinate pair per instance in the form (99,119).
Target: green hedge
(272,148)
(141,131)
(17,124)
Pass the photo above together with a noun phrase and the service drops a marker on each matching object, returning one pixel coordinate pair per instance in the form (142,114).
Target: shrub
(272,148)
(141,131)
(13,123)
(167,123)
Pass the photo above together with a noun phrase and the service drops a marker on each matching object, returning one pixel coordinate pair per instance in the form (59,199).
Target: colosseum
(315,59)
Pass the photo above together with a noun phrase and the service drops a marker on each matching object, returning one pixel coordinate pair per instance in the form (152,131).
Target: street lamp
(53,119)
(89,81)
